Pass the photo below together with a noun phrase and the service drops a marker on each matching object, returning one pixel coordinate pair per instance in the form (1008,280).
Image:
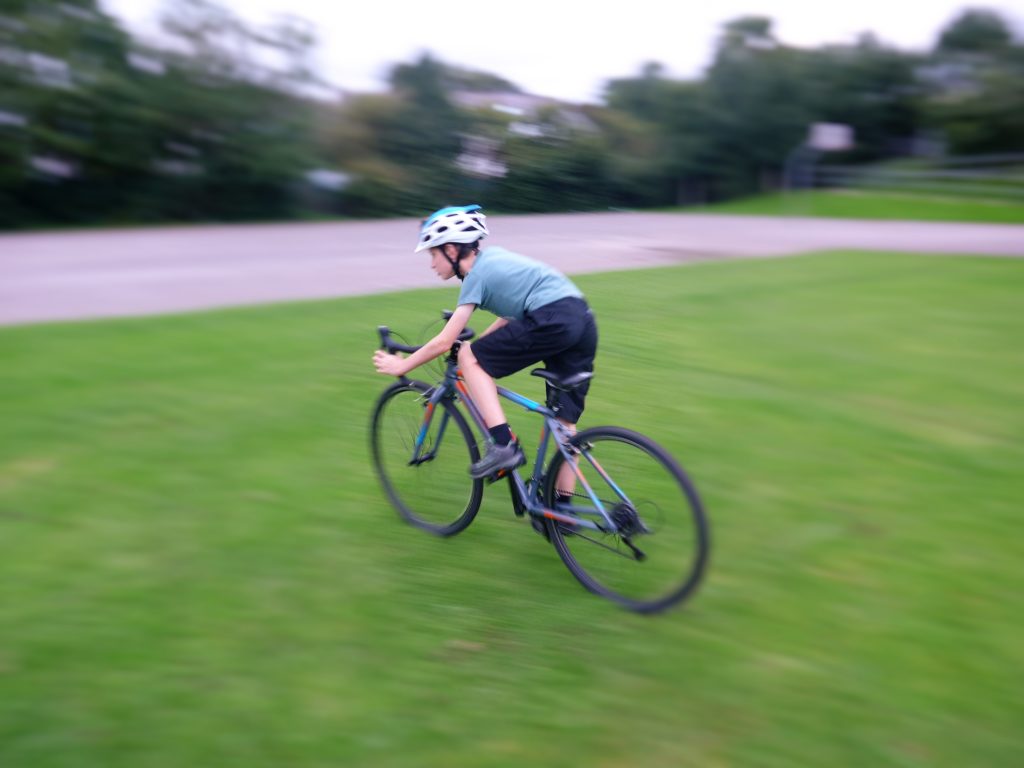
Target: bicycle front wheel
(435,493)
(659,554)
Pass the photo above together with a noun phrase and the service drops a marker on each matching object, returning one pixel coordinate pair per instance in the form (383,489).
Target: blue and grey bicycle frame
(525,495)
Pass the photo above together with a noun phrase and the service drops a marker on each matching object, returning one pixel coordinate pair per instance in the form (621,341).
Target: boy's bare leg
(503,453)
(482,388)
(565,484)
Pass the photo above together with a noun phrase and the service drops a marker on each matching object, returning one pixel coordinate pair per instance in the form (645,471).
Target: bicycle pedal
(501,474)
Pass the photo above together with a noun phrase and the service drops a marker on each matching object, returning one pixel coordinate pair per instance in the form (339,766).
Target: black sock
(563,498)
(502,434)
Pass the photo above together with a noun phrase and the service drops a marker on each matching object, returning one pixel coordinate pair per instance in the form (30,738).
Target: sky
(568,50)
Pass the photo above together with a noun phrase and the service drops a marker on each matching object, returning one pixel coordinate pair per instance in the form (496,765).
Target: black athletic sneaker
(497,458)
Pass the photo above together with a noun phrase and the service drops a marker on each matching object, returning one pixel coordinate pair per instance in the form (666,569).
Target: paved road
(71,275)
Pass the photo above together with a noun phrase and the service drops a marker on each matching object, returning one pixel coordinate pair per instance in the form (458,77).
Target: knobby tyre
(437,495)
(674,538)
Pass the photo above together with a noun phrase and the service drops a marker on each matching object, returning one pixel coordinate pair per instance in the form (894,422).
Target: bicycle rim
(638,475)
(437,495)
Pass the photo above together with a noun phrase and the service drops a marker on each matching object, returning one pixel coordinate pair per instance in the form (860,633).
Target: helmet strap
(455,265)
(454,262)
(463,250)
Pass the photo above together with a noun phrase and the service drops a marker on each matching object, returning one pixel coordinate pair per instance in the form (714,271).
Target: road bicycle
(632,530)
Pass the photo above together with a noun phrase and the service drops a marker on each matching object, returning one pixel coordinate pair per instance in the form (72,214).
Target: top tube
(525,402)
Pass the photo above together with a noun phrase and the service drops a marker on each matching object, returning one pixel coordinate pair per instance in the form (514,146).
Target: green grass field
(198,569)
(852,204)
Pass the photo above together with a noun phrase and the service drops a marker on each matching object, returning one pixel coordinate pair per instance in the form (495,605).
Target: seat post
(551,396)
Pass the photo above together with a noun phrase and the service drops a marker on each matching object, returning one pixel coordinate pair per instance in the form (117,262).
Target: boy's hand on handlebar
(389,365)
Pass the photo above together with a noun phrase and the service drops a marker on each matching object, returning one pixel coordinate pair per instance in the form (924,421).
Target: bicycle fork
(421,438)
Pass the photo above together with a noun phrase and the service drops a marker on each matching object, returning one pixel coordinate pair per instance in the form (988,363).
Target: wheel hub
(627,521)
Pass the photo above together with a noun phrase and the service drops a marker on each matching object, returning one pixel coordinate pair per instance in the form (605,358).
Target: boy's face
(440,264)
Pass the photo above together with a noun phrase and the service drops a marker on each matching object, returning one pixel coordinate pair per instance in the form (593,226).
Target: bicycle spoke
(436,495)
(660,537)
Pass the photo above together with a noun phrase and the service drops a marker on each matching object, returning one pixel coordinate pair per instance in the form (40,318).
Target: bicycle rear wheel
(437,495)
(662,557)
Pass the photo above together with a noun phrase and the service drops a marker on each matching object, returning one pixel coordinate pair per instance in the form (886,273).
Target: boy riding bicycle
(542,317)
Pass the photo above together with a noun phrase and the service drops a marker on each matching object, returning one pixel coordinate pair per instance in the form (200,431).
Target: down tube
(474,413)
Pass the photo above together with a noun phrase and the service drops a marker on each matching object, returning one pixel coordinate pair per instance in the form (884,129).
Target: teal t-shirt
(509,285)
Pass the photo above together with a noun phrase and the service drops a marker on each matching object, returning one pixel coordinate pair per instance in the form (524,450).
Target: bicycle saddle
(566,384)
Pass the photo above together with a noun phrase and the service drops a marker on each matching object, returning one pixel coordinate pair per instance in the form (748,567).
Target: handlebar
(390,345)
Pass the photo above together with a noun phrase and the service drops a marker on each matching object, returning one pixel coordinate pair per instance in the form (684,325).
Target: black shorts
(562,335)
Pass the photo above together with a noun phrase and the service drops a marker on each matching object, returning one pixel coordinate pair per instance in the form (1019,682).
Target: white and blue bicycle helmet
(456,224)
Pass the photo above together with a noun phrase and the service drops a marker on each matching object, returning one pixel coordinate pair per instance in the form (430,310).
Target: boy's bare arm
(393,365)
(501,322)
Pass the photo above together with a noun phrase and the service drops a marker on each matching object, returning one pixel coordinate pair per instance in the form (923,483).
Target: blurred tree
(58,60)
(402,146)
(95,126)
(663,164)
(987,117)
(747,32)
(976,30)
(241,123)
(635,167)
(731,132)
(647,97)
(873,88)
(561,168)
(426,132)
(755,109)
(462,79)
(977,82)
(367,137)
(101,128)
